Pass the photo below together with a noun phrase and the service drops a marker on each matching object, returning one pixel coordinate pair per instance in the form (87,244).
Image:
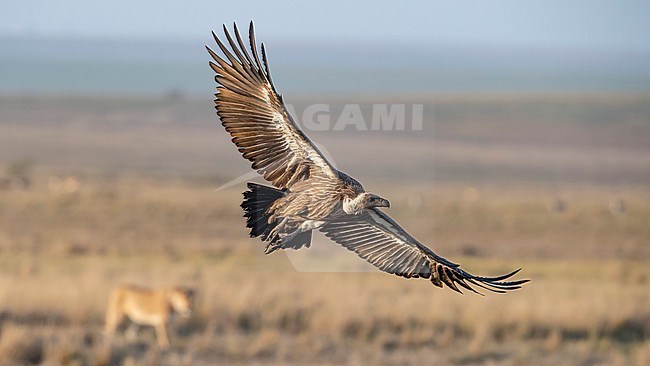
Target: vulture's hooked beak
(382,202)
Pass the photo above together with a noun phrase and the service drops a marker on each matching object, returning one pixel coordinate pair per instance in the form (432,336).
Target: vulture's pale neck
(353,206)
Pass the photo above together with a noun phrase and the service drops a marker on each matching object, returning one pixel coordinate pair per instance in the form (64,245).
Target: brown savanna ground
(556,185)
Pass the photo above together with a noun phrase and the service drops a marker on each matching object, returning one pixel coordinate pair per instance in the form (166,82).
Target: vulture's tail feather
(256,204)
(257,201)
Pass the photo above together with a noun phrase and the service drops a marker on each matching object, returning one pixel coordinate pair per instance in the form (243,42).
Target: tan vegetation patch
(124,191)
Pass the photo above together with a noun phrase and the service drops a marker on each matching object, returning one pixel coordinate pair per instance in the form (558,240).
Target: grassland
(145,210)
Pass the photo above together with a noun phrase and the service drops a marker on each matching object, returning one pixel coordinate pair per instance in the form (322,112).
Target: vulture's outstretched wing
(375,237)
(255,116)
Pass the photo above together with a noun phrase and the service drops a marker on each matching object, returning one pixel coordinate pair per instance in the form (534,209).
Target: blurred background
(534,153)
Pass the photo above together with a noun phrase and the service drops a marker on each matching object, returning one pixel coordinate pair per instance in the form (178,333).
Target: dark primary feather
(254,114)
(375,237)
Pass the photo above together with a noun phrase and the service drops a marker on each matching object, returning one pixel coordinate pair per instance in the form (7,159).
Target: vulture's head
(366,200)
(372,200)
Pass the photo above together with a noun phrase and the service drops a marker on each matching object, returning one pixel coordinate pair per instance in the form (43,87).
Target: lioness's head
(182,299)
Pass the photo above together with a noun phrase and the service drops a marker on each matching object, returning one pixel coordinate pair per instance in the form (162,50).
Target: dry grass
(123,191)
(62,253)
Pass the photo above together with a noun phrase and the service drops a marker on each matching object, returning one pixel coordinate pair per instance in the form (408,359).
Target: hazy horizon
(338,47)
(111,66)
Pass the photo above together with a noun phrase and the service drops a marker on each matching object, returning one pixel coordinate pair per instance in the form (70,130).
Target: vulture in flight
(308,192)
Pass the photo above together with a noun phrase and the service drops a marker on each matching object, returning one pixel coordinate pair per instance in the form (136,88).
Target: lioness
(145,306)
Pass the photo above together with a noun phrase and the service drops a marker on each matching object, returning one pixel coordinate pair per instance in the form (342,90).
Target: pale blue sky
(591,24)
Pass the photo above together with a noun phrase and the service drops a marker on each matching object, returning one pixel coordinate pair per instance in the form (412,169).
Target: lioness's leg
(114,317)
(161,335)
